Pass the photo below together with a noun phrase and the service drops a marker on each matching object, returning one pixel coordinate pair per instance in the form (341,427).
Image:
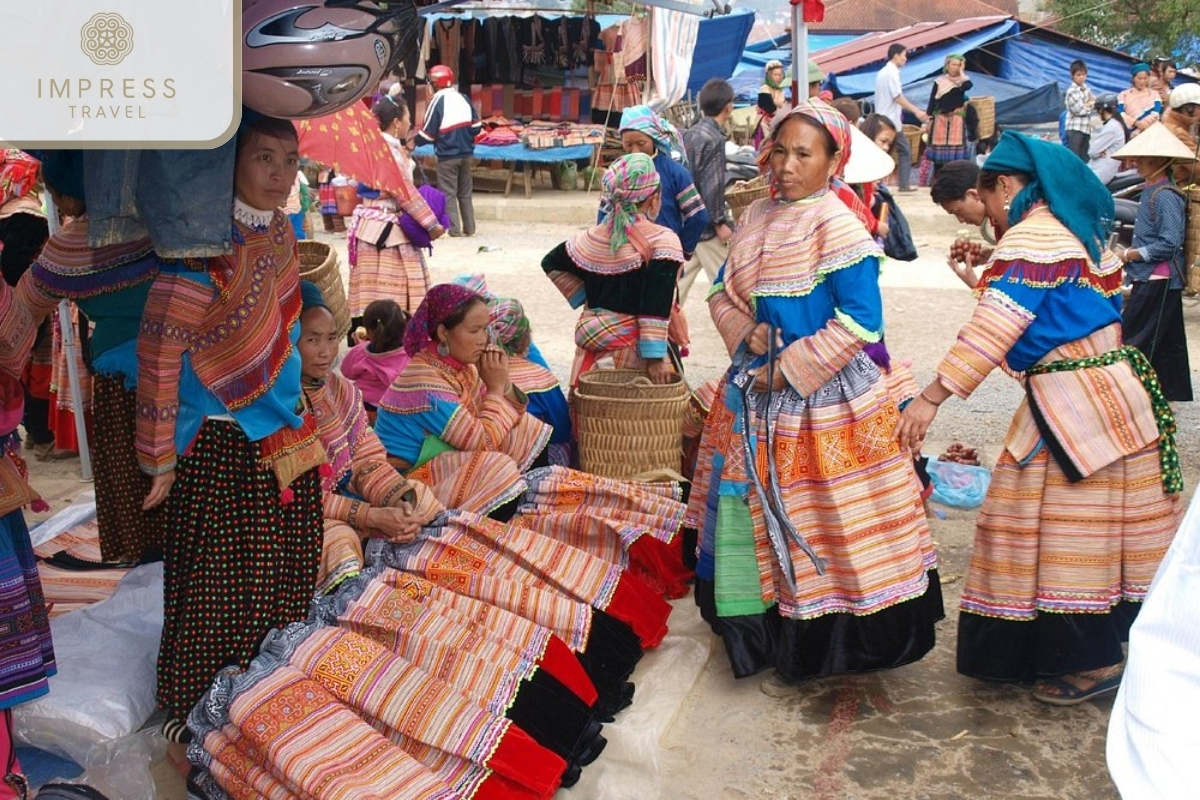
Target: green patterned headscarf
(629,182)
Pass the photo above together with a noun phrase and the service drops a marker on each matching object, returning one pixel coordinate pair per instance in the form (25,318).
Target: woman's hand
(882,229)
(965,268)
(160,487)
(757,342)
(660,371)
(914,423)
(778,381)
(398,524)
(493,369)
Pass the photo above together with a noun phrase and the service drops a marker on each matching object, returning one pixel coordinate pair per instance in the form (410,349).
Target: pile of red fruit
(959,453)
(964,247)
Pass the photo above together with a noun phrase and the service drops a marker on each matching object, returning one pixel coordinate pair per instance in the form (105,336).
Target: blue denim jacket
(179,198)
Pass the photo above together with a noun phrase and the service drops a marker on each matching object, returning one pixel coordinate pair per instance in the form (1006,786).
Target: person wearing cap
(1140,105)
(891,102)
(451,124)
(1108,138)
(1181,119)
(815,78)
(1153,313)
(1085,495)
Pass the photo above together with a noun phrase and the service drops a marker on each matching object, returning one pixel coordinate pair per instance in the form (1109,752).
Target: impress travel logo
(120,73)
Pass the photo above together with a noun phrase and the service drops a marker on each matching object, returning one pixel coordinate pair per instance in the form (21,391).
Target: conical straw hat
(1155,142)
(868,162)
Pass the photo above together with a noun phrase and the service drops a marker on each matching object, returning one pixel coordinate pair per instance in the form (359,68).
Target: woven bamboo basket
(628,427)
(1191,247)
(985,109)
(743,193)
(913,133)
(319,264)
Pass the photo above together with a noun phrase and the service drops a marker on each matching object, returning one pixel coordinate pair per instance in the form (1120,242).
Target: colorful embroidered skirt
(127,533)
(341,555)
(237,561)
(634,525)
(388,273)
(849,489)
(948,139)
(26,652)
(1057,568)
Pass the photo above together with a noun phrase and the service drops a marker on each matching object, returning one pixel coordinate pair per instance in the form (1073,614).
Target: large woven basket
(743,193)
(985,110)
(1191,247)
(913,133)
(628,427)
(319,264)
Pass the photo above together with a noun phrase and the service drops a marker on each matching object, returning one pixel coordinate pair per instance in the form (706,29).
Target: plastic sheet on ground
(81,511)
(629,768)
(104,689)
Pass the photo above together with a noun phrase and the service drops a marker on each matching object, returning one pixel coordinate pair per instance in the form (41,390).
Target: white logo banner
(120,73)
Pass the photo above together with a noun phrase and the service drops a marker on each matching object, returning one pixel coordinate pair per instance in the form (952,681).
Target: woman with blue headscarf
(1084,499)
(1139,105)
(683,211)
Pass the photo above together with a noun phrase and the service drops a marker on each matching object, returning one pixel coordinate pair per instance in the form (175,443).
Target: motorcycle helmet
(308,58)
(1107,100)
(441,76)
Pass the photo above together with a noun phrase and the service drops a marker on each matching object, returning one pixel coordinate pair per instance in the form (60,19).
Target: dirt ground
(920,732)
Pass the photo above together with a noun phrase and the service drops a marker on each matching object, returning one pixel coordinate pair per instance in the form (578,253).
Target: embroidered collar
(252,217)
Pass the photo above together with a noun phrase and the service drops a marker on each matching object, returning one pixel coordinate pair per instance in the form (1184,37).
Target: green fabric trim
(431,448)
(736,585)
(858,330)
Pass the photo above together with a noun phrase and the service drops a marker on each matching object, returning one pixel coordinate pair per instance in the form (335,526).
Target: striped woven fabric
(569,619)
(404,700)
(466,655)
(67,590)
(321,748)
(591,250)
(1044,544)
(396,272)
(68,266)
(431,397)
(463,545)
(341,555)
(652,508)
(471,481)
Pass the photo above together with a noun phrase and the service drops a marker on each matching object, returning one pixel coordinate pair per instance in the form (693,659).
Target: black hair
(1078,66)
(266,126)
(895,49)
(990,178)
(715,95)
(387,111)
(455,319)
(875,123)
(385,322)
(831,147)
(849,108)
(952,180)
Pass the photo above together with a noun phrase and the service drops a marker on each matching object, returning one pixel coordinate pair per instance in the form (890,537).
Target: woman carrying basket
(622,272)
(815,555)
(384,262)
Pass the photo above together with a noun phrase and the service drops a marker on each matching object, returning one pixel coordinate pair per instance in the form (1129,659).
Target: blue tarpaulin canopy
(719,45)
(1038,60)
(926,62)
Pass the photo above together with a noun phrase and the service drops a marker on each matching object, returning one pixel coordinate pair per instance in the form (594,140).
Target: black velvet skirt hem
(1048,645)
(833,644)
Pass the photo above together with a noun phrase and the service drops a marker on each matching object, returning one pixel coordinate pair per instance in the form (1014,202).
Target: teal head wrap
(1141,66)
(1072,192)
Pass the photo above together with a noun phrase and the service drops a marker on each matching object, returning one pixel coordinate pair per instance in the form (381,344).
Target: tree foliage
(1143,28)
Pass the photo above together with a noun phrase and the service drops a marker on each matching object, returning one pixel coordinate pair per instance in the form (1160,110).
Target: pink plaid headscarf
(439,304)
(824,115)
